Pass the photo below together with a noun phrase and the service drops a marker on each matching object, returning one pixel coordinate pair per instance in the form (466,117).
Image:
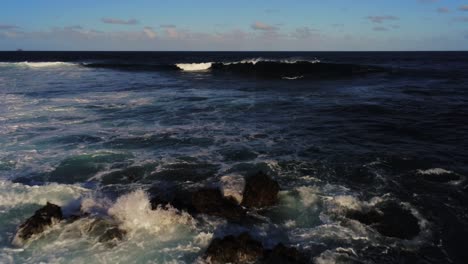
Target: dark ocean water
(340,132)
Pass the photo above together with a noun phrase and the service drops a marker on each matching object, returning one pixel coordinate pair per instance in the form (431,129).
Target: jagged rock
(212,202)
(231,249)
(260,191)
(389,219)
(203,201)
(40,221)
(179,199)
(283,255)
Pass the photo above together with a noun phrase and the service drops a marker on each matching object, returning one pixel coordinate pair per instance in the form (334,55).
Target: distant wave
(36,64)
(263,68)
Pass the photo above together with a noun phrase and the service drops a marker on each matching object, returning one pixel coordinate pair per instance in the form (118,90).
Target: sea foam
(194,66)
(36,64)
(133,212)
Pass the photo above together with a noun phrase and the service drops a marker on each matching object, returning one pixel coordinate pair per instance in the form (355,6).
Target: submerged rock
(389,219)
(43,218)
(232,249)
(260,191)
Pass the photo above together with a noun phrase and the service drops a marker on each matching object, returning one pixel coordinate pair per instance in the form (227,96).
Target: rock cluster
(42,219)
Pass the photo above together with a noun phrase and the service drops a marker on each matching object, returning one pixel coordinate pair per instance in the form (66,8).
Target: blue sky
(234,25)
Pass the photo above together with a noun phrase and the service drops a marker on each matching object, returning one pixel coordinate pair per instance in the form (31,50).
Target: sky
(205,25)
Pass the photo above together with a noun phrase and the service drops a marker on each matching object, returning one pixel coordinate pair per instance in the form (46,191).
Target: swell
(288,70)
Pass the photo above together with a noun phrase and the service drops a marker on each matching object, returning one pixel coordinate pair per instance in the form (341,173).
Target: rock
(389,219)
(233,186)
(260,191)
(281,254)
(43,218)
(179,199)
(231,249)
(212,202)
(204,201)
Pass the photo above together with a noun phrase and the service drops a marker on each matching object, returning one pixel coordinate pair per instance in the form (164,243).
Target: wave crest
(26,64)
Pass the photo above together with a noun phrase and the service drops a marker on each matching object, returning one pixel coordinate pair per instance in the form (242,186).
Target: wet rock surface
(208,201)
(244,249)
(212,202)
(234,249)
(389,219)
(282,254)
(39,222)
(260,191)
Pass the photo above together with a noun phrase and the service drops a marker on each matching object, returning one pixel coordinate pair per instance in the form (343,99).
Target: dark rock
(212,202)
(389,219)
(179,199)
(40,221)
(260,191)
(203,201)
(231,249)
(281,254)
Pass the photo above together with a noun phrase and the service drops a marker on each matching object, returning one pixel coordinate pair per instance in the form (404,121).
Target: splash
(133,212)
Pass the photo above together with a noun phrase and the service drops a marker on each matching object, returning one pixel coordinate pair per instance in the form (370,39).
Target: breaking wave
(194,66)
(27,64)
(263,68)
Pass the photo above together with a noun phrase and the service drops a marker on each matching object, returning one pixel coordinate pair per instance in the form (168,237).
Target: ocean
(341,132)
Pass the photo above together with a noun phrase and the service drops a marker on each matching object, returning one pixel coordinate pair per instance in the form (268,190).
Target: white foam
(308,195)
(233,186)
(292,78)
(434,171)
(133,212)
(333,257)
(194,66)
(14,194)
(36,64)
(257,60)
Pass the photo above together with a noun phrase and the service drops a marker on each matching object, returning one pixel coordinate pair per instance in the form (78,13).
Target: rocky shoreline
(260,191)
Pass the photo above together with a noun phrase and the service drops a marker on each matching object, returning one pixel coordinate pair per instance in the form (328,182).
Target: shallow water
(105,127)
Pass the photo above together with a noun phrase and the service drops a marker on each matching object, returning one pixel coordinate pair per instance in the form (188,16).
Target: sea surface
(338,131)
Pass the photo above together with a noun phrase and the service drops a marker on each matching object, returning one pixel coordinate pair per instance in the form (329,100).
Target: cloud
(380,29)
(461,19)
(8,27)
(168,26)
(150,33)
(118,21)
(304,33)
(381,19)
(262,26)
(443,10)
(463,8)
